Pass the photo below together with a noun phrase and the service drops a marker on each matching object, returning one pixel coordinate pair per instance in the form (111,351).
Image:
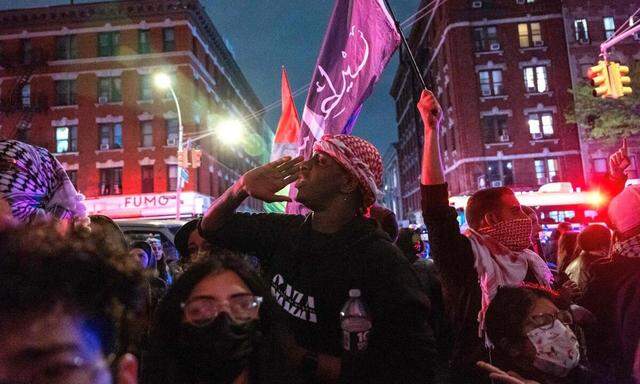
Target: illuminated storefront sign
(148,205)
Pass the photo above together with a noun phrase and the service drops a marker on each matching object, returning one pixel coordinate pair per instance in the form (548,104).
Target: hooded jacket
(310,275)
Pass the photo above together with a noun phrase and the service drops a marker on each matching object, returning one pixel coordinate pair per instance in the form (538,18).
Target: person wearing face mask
(493,252)
(214,326)
(533,339)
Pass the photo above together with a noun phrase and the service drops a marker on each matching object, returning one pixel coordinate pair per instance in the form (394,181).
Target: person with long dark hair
(214,326)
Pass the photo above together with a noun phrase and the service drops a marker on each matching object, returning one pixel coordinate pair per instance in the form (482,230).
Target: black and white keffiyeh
(628,248)
(35,185)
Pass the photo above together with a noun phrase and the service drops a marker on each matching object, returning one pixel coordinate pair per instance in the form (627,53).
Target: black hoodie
(310,275)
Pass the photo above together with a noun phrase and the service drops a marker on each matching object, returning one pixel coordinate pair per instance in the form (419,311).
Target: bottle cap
(354,293)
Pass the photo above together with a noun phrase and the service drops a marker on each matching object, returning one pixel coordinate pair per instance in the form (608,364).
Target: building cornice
(544,154)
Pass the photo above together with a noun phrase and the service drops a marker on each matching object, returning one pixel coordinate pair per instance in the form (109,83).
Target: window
(66,139)
(110,136)
(529,35)
(144,41)
(540,125)
(147,178)
(108,43)
(491,82)
(109,89)
(582,33)
(25,96)
(546,170)
(172,131)
(27,51)
(168,39)
(66,47)
(486,39)
(600,165)
(495,129)
(65,92)
(145,88)
(535,79)
(499,173)
(73,177)
(146,134)
(172,177)
(111,181)
(609,26)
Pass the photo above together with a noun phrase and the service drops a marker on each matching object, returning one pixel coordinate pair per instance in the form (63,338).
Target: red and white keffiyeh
(358,157)
(499,266)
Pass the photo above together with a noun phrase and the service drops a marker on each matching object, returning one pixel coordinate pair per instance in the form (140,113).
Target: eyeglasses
(201,311)
(546,320)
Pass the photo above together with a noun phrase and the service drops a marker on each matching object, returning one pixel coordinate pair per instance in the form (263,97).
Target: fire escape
(18,108)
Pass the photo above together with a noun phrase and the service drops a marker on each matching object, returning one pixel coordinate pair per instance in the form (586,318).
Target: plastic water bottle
(355,323)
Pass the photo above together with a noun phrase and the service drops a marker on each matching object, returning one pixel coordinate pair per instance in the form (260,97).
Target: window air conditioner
(495,184)
(537,136)
(104,147)
(521,2)
(538,43)
(172,141)
(495,46)
(476,4)
(103,100)
(504,138)
(486,92)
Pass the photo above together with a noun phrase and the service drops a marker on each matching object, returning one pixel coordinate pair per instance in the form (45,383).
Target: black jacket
(310,275)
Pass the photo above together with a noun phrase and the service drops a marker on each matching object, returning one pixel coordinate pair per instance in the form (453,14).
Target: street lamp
(163,82)
(229,131)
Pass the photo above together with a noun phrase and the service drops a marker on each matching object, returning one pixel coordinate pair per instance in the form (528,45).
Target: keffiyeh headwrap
(35,185)
(358,157)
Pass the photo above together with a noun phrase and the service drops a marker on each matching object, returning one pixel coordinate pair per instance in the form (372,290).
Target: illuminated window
(530,35)
(600,165)
(546,170)
(609,27)
(535,79)
(540,124)
(25,95)
(111,181)
(581,30)
(491,82)
(66,139)
(499,173)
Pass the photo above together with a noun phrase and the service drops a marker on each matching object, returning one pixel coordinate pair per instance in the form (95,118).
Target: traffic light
(599,75)
(183,159)
(619,80)
(196,156)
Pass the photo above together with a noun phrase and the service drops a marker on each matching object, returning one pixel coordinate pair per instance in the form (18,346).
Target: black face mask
(217,352)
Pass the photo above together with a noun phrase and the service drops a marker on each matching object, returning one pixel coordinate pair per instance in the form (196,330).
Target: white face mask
(557,349)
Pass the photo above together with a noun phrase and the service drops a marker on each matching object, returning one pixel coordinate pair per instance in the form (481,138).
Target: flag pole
(414,65)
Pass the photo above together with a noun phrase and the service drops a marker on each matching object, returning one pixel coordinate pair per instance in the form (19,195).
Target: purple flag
(358,43)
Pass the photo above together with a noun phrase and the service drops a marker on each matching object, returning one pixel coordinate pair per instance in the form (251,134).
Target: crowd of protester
(82,303)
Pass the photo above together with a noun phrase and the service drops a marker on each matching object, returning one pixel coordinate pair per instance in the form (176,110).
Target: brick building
(391,182)
(500,70)
(587,25)
(77,80)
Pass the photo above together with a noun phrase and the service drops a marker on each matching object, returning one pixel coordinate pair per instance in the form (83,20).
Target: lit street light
(163,82)
(230,131)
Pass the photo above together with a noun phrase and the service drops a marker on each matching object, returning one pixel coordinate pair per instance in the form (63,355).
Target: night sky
(266,34)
